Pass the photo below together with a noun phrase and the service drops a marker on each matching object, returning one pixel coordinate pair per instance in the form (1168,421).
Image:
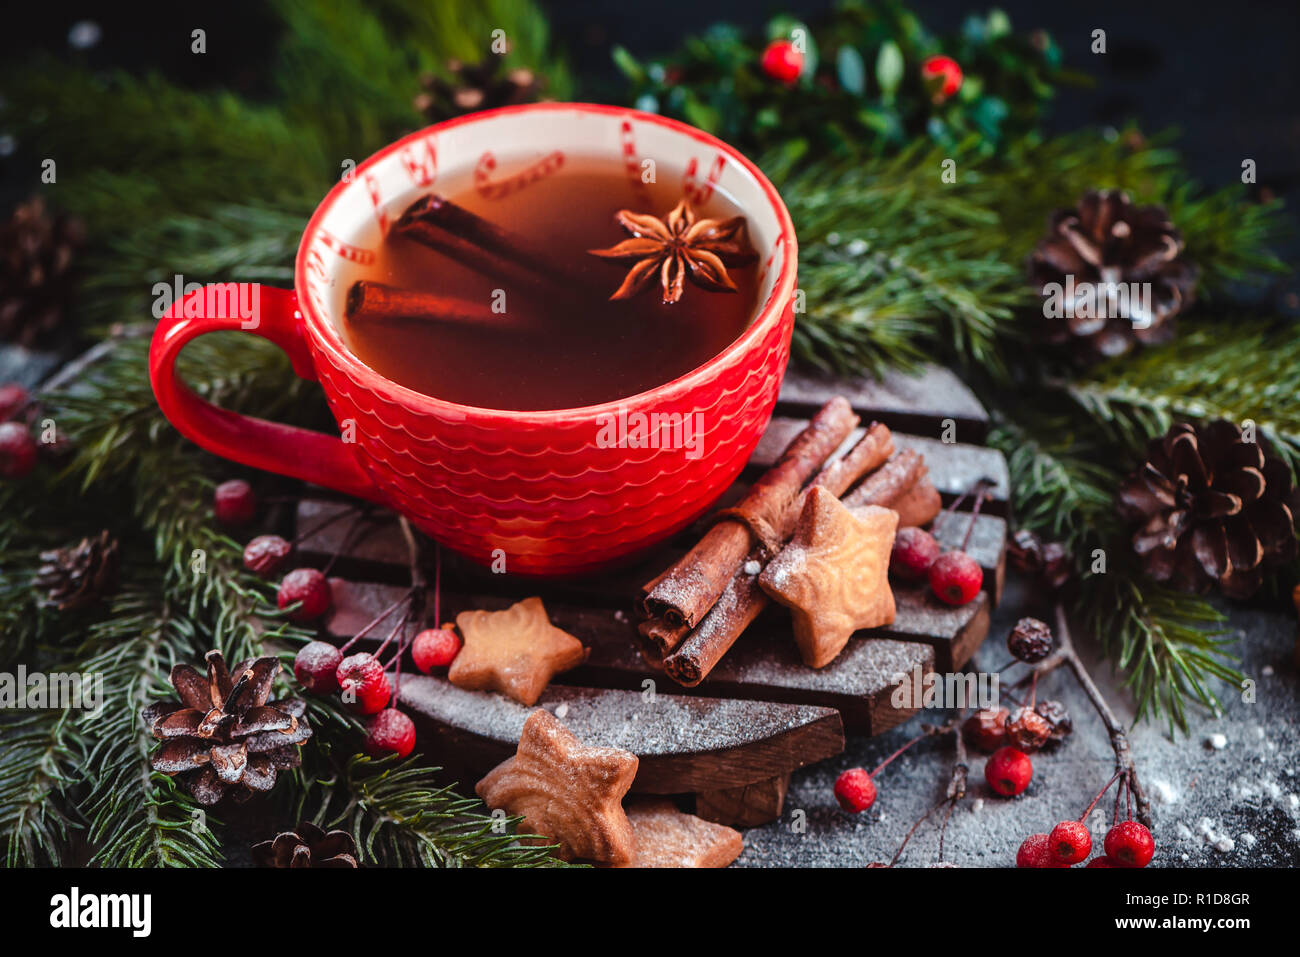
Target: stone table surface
(1224,794)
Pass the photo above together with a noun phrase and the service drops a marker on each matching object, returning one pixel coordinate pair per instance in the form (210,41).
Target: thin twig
(1065,654)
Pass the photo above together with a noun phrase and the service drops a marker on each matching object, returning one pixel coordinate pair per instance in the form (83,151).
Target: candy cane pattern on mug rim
(377,201)
(487,164)
(696,192)
(356,254)
(423,170)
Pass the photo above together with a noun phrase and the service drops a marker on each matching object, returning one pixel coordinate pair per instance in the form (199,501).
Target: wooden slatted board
(761,714)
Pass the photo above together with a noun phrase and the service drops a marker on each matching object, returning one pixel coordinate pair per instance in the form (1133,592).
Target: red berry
(234,502)
(914,552)
(941,76)
(316,666)
(363,683)
(12,398)
(266,554)
(782,62)
(955,578)
(1070,842)
(390,732)
(1129,844)
(1008,771)
(1102,861)
(17,451)
(987,729)
(855,790)
(435,648)
(1036,851)
(308,586)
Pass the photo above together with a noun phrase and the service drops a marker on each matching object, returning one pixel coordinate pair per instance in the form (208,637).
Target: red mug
(544,492)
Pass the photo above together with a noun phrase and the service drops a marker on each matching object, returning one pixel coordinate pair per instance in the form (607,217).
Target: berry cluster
(363,682)
(955,578)
(19,450)
(1128,843)
(304,594)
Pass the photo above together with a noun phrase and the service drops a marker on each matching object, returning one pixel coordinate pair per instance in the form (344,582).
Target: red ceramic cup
(545,493)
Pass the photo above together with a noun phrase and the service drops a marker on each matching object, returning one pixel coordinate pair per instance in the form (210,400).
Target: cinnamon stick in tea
(685,592)
(483,246)
(376,302)
(742,599)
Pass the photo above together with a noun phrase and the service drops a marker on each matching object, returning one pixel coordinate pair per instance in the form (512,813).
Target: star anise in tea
(676,247)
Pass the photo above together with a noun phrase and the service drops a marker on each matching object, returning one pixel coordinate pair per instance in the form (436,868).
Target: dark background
(1226,75)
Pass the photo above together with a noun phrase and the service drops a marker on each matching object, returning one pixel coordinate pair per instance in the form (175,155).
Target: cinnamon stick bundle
(743,599)
(685,592)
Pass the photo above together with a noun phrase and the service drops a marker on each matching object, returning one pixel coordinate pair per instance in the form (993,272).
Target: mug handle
(271,446)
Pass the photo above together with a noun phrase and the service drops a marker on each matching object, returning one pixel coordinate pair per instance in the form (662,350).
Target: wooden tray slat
(684,744)
(915,403)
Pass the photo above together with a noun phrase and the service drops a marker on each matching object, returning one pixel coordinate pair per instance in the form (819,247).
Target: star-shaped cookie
(516,651)
(665,837)
(567,792)
(834,574)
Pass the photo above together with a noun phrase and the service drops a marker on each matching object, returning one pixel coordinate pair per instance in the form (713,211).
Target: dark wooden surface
(761,714)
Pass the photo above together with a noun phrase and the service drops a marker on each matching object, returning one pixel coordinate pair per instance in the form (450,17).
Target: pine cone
(474,87)
(1105,242)
(80,575)
(1211,506)
(223,736)
(36,253)
(307,846)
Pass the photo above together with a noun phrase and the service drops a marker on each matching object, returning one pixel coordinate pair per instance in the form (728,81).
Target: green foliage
(897,266)
(1220,368)
(1168,645)
(900,266)
(402,816)
(37,761)
(861,89)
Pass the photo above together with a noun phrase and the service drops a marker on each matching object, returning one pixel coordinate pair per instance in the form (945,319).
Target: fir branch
(1168,644)
(1224,368)
(1059,485)
(401,816)
(897,265)
(139,818)
(37,763)
(141,168)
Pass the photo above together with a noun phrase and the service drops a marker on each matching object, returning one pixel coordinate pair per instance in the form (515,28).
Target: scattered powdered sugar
(753,567)
(1163,792)
(1209,831)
